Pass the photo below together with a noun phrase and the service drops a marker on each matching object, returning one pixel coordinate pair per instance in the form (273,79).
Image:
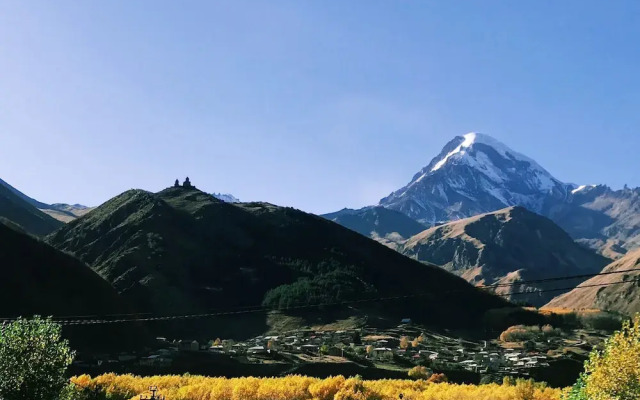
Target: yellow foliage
(129,387)
(614,373)
(419,372)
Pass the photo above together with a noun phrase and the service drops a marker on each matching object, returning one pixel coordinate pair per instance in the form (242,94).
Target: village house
(382,353)
(188,345)
(155,361)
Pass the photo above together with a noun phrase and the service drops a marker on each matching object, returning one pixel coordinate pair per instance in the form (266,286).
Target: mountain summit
(475,174)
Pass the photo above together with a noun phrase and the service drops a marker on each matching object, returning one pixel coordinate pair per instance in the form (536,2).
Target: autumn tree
(33,360)
(438,378)
(404,342)
(614,373)
(369,349)
(415,343)
(419,372)
(217,342)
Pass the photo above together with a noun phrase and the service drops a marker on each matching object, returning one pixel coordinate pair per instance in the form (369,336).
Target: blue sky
(313,104)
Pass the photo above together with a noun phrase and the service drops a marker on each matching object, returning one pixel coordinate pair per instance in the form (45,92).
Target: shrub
(438,378)
(419,372)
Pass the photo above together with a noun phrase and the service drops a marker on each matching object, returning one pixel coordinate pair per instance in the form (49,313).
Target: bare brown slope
(623,298)
(66,212)
(505,246)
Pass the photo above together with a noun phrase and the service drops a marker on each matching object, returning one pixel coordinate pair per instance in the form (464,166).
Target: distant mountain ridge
(382,224)
(476,174)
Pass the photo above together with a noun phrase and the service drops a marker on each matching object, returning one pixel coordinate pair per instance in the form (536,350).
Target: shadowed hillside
(38,279)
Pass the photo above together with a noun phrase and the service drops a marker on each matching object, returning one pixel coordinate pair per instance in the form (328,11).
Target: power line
(263,309)
(260,307)
(560,278)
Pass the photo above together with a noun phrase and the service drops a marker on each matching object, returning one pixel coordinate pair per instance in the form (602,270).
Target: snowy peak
(479,151)
(227,198)
(473,174)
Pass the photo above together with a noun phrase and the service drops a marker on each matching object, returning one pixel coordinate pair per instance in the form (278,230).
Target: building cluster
(400,345)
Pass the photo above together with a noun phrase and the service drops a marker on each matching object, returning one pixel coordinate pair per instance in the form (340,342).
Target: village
(397,349)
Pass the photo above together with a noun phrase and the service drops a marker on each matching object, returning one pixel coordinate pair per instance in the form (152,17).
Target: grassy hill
(15,207)
(506,246)
(181,250)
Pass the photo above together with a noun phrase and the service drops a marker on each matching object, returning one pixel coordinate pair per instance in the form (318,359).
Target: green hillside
(181,250)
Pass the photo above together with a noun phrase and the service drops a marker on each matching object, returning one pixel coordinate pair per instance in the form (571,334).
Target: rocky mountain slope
(601,218)
(181,250)
(506,246)
(623,298)
(15,207)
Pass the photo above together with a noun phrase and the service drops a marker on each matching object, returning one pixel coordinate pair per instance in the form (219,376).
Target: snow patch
(581,188)
(227,198)
(469,139)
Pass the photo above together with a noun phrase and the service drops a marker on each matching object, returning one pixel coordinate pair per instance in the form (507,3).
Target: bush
(601,322)
(522,333)
(419,372)
(438,378)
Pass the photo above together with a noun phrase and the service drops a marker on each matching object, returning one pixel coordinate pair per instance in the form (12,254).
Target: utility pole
(153,390)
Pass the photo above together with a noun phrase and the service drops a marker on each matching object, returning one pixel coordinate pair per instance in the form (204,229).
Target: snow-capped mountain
(226,197)
(475,174)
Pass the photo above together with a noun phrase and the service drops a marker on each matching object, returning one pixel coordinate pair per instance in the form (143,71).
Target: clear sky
(312,104)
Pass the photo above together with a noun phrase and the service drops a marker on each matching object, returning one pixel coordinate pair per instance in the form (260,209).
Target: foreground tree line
(34,359)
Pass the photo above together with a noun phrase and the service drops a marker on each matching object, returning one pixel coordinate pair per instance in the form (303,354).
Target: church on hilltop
(186,184)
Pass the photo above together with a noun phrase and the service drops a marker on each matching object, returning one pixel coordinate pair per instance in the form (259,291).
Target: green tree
(33,360)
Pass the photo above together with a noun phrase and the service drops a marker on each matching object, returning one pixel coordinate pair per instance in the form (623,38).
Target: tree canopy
(33,360)
(614,372)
